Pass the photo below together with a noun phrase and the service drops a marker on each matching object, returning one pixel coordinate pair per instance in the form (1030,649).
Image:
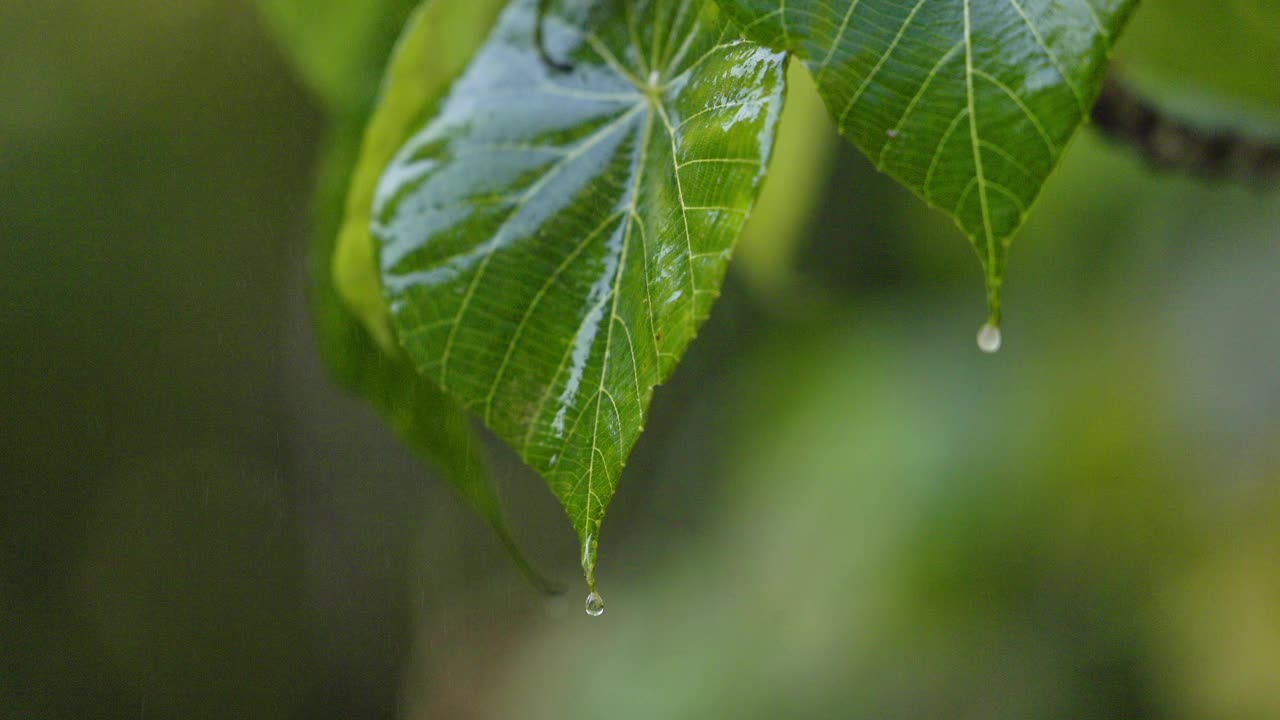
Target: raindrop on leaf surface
(595,604)
(989,338)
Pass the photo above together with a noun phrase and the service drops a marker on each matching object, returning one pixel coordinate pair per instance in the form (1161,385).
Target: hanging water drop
(595,604)
(989,338)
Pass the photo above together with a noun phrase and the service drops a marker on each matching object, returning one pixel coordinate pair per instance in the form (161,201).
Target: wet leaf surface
(550,241)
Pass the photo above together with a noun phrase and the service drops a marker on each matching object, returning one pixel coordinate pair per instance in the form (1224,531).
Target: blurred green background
(840,508)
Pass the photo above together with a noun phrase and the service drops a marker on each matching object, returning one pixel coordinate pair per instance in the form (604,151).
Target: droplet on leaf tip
(595,604)
(989,338)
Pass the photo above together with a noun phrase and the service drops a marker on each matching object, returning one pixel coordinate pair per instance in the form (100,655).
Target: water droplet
(653,78)
(989,338)
(595,604)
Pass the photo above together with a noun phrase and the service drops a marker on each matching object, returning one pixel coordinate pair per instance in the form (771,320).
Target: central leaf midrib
(555,379)
(631,212)
(645,103)
(977,147)
(653,95)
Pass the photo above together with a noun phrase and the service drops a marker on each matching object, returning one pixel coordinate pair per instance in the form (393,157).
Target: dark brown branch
(1174,145)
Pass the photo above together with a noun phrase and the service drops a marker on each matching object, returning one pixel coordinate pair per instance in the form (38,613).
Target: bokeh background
(840,507)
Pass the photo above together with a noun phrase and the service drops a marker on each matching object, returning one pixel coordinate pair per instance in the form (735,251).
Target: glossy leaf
(551,241)
(969,103)
(425,419)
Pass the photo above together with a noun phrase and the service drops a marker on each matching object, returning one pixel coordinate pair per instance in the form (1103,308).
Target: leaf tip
(589,560)
(989,334)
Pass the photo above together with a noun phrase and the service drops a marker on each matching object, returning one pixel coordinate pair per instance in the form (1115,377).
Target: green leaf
(969,103)
(426,420)
(339,46)
(551,241)
(437,42)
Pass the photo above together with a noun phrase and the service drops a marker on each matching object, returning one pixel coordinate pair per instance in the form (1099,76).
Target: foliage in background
(804,152)
(1232,58)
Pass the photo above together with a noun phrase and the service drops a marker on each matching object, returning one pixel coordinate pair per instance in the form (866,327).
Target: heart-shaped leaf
(551,241)
(969,103)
